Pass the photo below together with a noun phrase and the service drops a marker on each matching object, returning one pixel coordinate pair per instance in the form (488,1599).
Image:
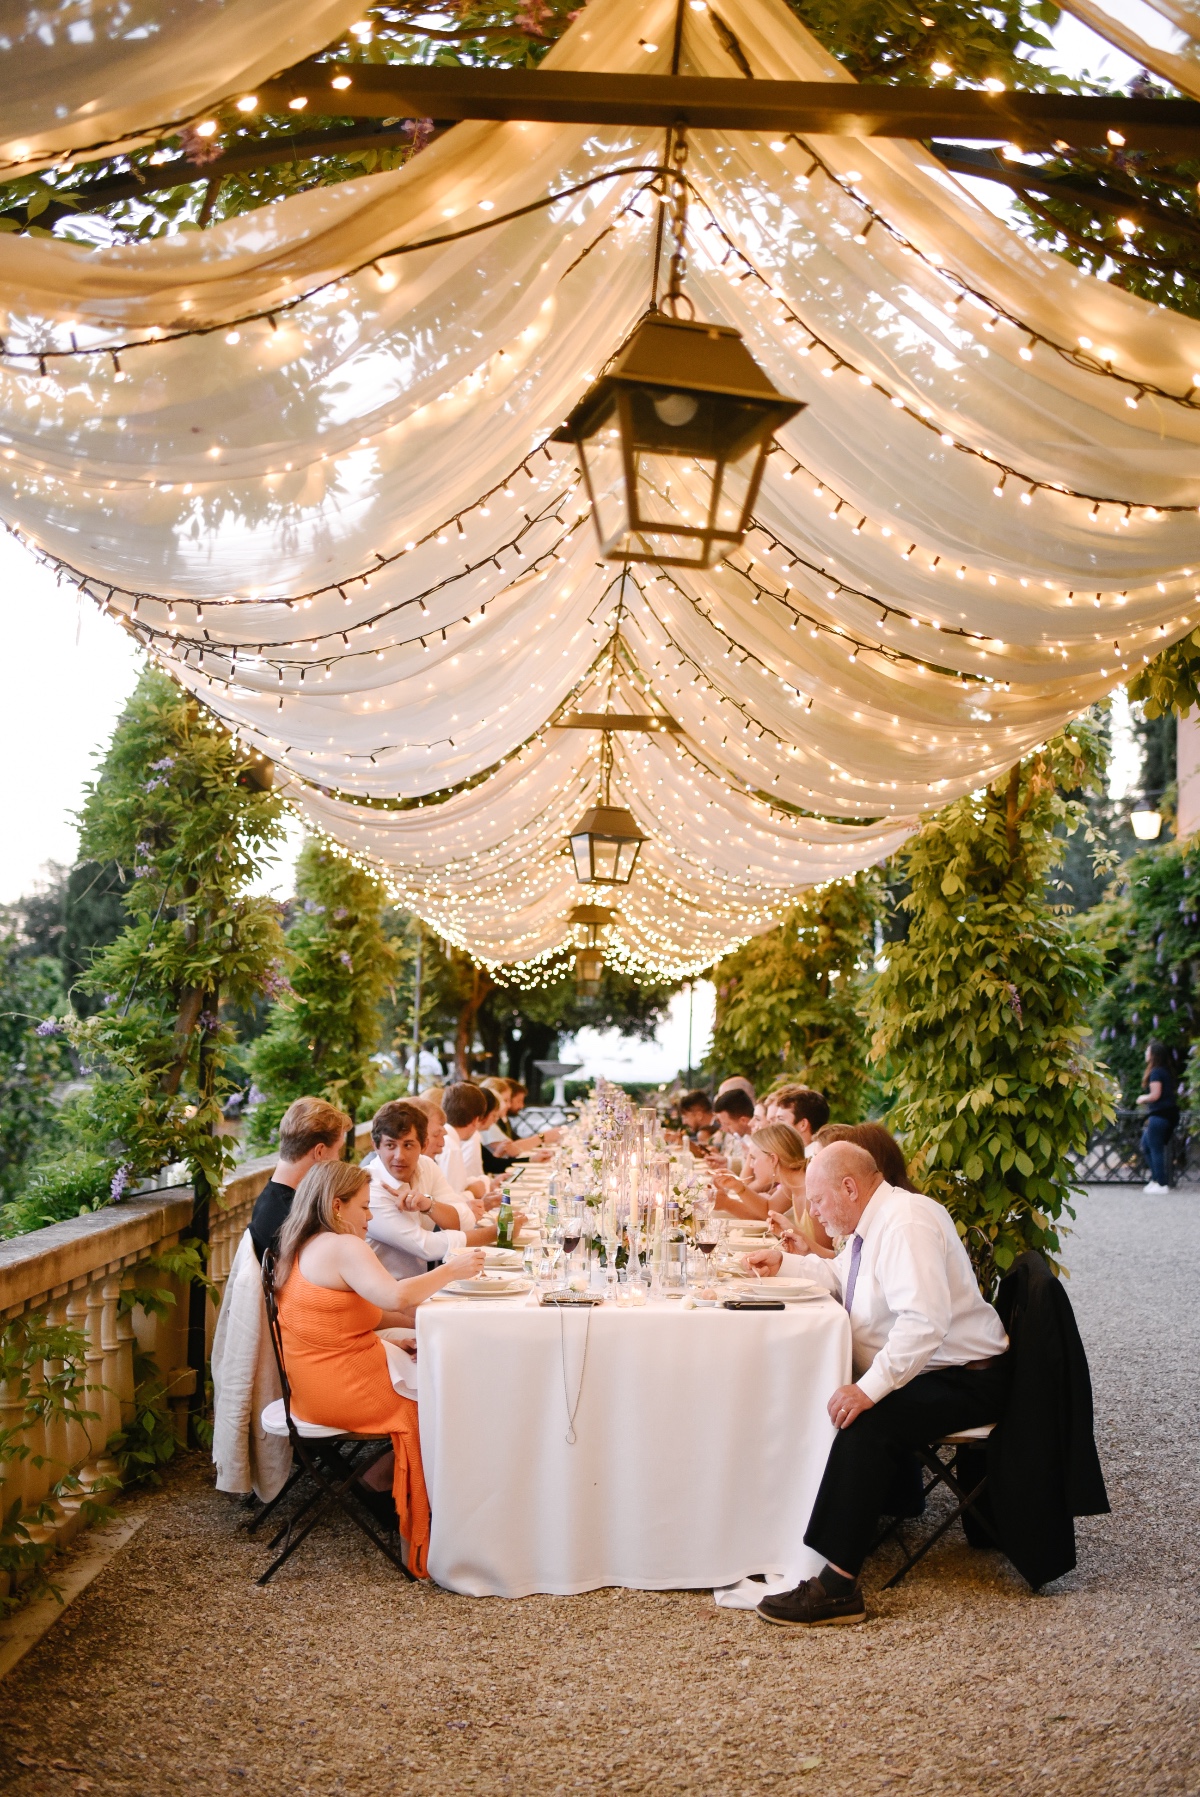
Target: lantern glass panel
(581,848)
(605,471)
(589,967)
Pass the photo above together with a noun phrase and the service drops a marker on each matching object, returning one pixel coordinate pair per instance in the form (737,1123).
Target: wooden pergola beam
(808,108)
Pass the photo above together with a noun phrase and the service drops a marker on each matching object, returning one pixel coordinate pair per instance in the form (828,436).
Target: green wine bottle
(504,1220)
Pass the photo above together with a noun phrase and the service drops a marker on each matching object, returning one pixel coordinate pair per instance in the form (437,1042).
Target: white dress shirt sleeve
(405,1229)
(910,1272)
(812,1266)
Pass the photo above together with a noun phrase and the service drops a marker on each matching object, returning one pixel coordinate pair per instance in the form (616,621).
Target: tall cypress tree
(327,1024)
(189,819)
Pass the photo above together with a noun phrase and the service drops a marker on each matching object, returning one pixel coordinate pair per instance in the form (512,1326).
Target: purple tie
(852,1279)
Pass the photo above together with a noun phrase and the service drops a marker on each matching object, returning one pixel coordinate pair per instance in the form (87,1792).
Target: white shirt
(454,1165)
(916,1302)
(450,1160)
(410,1233)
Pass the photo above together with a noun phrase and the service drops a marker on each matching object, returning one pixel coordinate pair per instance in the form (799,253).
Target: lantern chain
(675,297)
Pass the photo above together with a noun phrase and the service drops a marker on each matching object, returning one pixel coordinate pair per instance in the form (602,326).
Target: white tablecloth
(701,1437)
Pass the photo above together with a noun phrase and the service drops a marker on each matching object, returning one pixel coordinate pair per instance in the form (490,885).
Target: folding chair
(945,1472)
(332,1458)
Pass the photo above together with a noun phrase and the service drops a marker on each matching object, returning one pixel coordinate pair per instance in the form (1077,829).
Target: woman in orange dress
(333,1295)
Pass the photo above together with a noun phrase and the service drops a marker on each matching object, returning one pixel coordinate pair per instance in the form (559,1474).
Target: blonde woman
(333,1295)
(772,1186)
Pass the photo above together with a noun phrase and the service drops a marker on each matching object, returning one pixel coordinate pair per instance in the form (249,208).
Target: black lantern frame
(605,844)
(673,439)
(606,840)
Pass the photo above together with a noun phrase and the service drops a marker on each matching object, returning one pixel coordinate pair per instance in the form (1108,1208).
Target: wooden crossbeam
(809,108)
(617,720)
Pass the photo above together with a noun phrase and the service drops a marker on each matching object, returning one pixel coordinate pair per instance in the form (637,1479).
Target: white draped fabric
(1180,65)
(105,72)
(338,526)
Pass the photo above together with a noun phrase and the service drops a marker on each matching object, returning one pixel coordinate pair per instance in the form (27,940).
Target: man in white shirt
(733,1108)
(415,1216)
(806,1109)
(465,1107)
(928,1359)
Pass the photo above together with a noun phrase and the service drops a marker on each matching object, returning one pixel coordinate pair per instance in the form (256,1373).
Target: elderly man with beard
(929,1357)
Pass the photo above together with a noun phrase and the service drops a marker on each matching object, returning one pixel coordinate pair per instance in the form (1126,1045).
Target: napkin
(402,1368)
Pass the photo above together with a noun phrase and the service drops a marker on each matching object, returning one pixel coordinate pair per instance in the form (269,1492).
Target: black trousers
(865,1458)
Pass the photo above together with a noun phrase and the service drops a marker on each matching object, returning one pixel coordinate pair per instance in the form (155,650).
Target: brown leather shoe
(810,1606)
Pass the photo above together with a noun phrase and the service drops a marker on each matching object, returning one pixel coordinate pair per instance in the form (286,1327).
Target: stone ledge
(36,1264)
(53,1259)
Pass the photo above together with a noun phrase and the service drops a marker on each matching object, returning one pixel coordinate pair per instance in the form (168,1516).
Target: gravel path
(174,1671)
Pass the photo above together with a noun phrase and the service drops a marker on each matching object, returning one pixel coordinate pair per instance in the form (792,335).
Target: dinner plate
(508,1258)
(487,1288)
(779,1288)
(748,1226)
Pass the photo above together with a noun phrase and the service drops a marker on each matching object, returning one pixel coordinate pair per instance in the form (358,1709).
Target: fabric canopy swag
(305,455)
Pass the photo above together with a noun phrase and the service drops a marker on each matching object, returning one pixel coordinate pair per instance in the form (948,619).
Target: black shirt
(1164,1105)
(269,1215)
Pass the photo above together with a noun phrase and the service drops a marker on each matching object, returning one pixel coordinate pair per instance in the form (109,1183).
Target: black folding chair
(333,1459)
(945,1472)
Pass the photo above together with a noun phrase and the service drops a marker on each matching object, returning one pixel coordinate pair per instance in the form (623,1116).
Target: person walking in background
(1158,1098)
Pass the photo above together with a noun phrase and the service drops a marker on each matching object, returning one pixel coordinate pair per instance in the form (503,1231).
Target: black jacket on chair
(1043,1468)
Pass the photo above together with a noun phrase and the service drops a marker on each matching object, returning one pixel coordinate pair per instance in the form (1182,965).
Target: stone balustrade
(74,1274)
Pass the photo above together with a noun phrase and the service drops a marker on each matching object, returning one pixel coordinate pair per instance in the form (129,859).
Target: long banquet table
(700,1438)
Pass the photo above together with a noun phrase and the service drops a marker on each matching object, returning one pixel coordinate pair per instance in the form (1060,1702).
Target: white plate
(747,1226)
(487,1288)
(780,1288)
(511,1259)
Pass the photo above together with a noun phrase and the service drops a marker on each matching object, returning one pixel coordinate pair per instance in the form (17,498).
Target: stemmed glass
(572,1231)
(708,1234)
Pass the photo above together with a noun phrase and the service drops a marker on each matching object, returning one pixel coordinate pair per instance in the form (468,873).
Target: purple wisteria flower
(420,130)
(209,1020)
(120,1180)
(341,914)
(275,982)
(346,960)
(159,767)
(312,909)
(50,1027)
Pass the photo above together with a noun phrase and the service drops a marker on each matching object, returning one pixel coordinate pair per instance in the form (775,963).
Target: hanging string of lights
(437,533)
(919,413)
(329,660)
(157,336)
(1081,354)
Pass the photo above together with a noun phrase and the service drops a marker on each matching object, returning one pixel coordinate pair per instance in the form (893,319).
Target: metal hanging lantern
(605,844)
(591,921)
(589,971)
(606,840)
(674,435)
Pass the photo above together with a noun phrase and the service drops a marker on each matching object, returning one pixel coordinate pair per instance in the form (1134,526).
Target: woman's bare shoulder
(330,1259)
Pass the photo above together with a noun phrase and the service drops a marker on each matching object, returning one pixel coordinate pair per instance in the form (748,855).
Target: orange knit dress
(338,1372)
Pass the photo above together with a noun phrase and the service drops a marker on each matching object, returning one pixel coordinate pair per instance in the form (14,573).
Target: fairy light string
(1082,354)
(922,415)
(157,336)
